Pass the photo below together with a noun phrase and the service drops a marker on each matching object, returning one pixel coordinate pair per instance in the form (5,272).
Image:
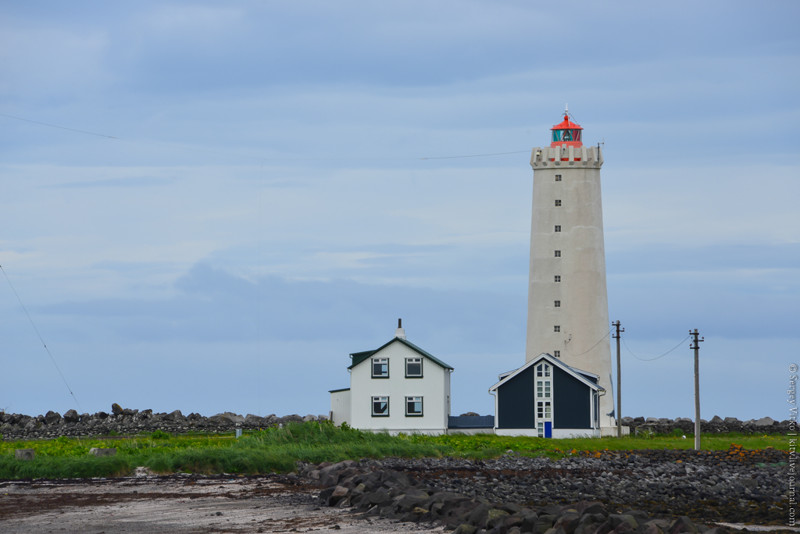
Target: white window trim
(373,361)
(377,398)
(414,360)
(410,399)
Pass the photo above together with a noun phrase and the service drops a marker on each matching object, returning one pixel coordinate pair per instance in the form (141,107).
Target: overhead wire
(205,150)
(41,339)
(657,357)
(593,346)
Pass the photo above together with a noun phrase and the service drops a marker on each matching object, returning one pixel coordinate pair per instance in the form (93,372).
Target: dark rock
(116,409)
(682,524)
(71,416)
(52,418)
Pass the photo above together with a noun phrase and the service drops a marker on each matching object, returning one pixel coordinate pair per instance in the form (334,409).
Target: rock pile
(128,421)
(375,488)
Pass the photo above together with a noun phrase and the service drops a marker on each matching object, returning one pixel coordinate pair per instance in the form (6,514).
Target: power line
(205,150)
(476,155)
(52,359)
(49,125)
(593,346)
(655,358)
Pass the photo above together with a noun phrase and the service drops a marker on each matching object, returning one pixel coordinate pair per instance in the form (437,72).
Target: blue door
(548,429)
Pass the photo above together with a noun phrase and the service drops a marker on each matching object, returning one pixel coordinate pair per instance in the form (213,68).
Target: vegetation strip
(277,449)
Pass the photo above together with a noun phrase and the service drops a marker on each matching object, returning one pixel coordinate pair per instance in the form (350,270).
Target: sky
(207,206)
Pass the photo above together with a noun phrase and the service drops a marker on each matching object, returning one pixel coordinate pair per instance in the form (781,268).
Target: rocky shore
(643,491)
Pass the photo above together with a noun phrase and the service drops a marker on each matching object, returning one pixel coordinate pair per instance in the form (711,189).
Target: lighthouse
(567,297)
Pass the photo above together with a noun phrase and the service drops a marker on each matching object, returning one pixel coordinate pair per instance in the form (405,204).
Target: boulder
(236,419)
(97,451)
(116,409)
(255,420)
(765,421)
(174,415)
(24,454)
(71,416)
(52,418)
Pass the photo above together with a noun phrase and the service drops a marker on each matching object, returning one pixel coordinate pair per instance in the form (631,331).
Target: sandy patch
(179,504)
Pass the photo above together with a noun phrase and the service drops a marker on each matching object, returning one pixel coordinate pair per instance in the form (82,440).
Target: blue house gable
(547,398)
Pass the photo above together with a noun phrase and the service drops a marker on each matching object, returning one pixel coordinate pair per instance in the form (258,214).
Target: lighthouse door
(544,400)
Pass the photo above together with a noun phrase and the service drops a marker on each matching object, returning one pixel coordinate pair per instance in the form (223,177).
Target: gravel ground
(179,504)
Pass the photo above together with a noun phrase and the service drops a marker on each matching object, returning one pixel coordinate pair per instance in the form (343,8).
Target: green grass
(278,450)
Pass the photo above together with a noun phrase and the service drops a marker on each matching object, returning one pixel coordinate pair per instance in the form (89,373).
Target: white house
(398,387)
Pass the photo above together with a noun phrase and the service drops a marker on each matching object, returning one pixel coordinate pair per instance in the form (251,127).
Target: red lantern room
(566,133)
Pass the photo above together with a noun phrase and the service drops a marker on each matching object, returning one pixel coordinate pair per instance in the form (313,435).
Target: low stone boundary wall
(128,421)
(717,425)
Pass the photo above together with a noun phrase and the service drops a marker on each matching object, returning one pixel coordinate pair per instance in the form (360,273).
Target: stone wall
(128,421)
(717,425)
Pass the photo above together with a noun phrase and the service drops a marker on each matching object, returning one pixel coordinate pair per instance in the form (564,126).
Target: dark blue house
(547,398)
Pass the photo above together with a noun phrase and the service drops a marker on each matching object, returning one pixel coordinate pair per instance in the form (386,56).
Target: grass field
(278,450)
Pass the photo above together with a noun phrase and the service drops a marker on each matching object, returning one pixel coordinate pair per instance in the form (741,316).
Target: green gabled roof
(359,357)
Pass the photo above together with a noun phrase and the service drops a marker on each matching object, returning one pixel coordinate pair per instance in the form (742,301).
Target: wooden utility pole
(695,346)
(619,380)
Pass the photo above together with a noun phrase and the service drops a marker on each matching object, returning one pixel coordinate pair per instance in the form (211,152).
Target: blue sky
(207,206)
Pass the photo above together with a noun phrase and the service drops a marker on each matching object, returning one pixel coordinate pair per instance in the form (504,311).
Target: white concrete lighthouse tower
(567,298)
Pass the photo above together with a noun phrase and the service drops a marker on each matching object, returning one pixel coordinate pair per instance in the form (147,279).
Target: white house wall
(340,407)
(433,387)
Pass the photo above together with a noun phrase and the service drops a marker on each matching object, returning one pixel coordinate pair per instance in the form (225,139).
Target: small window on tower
(557,353)
(557,328)
(558,253)
(558,202)
(558,177)
(556,303)
(557,278)
(557,228)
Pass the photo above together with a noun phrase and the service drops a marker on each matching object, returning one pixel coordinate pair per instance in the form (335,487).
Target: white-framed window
(557,253)
(558,202)
(558,177)
(380,367)
(543,389)
(557,228)
(413,367)
(413,406)
(557,328)
(557,278)
(556,303)
(542,370)
(540,429)
(557,353)
(544,410)
(380,406)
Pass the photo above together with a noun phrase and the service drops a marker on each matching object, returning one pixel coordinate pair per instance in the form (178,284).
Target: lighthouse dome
(566,133)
